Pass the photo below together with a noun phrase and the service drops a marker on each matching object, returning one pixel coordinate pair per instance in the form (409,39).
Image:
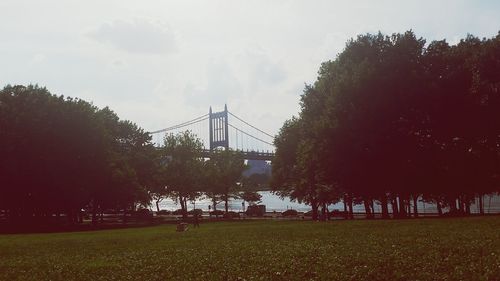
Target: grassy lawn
(425,249)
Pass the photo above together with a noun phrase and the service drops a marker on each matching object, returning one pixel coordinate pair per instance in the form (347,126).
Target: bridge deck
(249,155)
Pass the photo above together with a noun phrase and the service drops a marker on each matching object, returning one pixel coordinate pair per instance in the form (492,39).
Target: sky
(160,63)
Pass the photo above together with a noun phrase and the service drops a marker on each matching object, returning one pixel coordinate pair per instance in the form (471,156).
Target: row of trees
(393,119)
(185,176)
(61,155)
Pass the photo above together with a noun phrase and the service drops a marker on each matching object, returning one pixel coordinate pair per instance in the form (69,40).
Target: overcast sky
(159,63)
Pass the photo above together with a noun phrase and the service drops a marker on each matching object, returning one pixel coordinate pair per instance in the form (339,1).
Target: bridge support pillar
(219,129)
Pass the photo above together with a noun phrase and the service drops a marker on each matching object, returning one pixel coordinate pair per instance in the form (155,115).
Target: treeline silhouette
(393,120)
(64,158)
(59,155)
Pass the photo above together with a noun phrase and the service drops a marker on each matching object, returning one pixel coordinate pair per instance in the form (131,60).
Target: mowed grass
(423,249)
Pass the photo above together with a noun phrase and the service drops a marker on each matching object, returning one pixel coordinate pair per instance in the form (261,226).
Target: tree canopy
(391,119)
(60,155)
(182,167)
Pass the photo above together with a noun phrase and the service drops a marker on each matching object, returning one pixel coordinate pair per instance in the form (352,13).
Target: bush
(217,213)
(177,212)
(163,212)
(231,215)
(290,213)
(198,212)
(454,213)
(112,212)
(338,213)
(143,214)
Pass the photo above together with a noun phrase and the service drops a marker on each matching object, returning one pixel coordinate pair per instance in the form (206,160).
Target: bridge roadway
(248,155)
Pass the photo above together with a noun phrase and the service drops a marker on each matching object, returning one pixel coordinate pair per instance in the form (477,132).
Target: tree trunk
(394,203)
(182,200)
(94,213)
(322,216)
(345,206)
(215,207)
(453,206)
(407,203)
(367,209)
(439,209)
(402,207)
(461,204)
(226,205)
(385,208)
(158,205)
(69,216)
(327,213)
(481,208)
(314,206)
(80,216)
(415,207)
(351,211)
(372,206)
(467,205)
(124,218)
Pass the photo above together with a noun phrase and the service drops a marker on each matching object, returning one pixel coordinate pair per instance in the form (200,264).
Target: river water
(274,203)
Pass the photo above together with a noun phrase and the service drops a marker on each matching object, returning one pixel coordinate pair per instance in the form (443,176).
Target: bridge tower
(218,127)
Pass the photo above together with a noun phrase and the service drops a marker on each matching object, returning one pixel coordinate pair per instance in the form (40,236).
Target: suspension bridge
(227,131)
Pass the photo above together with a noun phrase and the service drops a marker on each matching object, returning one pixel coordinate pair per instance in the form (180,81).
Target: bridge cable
(243,132)
(180,126)
(250,125)
(187,123)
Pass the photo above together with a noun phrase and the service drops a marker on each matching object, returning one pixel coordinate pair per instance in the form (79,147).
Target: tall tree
(390,120)
(183,166)
(60,155)
(226,168)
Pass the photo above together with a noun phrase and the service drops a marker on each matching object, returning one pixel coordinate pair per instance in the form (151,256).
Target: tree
(294,167)
(183,166)
(256,182)
(392,121)
(60,155)
(225,170)
(211,185)
(250,196)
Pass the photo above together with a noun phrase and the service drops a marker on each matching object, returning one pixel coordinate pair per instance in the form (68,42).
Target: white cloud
(254,55)
(221,86)
(137,36)
(261,70)
(39,58)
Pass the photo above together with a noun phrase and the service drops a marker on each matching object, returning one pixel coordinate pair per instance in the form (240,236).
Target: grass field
(425,249)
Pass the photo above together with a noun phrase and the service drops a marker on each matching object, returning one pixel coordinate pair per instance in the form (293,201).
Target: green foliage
(289,213)
(390,118)
(223,172)
(256,182)
(60,155)
(250,196)
(163,212)
(231,215)
(217,213)
(198,212)
(427,249)
(182,170)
